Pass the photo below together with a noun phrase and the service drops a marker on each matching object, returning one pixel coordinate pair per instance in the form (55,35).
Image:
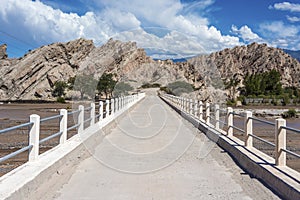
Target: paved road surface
(154,154)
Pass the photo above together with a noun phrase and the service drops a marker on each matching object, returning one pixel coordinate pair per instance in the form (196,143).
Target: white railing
(195,109)
(107,111)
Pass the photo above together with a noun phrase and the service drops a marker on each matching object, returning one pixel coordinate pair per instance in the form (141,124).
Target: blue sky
(165,28)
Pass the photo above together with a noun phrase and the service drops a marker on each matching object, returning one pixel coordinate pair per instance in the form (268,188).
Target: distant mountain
(175,60)
(294,54)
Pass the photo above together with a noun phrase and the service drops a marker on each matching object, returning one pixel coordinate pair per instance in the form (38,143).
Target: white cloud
(246,34)
(281,35)
(41,24)
(286,6)
(120,20)
(279,29)
(293,19)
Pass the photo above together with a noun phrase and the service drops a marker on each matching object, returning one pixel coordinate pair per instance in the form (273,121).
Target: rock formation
(3,53)
(253,58)
(33,76)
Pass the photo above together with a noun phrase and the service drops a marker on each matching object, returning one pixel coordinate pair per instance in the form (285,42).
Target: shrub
(231,102)
(149,85)
(60,100)
(59,89)
(286,100)
(166,90)
(290,113)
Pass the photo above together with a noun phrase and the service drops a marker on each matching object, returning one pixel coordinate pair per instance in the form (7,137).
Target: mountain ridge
(33,75)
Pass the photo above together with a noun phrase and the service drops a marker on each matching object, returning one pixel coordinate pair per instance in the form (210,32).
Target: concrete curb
(283,181)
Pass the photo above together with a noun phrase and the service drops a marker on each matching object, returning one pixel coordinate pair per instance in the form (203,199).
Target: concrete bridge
(149,147)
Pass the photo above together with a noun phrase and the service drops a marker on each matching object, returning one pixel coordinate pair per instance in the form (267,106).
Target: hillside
(33,75)
(253,58)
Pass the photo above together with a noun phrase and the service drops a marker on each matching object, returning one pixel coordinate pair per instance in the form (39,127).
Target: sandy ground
(165,159)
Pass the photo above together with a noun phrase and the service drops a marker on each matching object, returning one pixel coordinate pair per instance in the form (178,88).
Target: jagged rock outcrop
(253,58)
(33,76)
(132,65)
(3,54)
(115,57)
(219,67)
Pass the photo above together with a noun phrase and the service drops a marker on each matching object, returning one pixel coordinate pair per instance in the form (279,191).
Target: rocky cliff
(33,76)
(3,53)
(253,58)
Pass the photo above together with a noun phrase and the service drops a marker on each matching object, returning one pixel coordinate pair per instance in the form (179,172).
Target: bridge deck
(153,153)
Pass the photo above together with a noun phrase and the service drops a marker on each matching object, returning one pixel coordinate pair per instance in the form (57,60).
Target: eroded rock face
(254,58)
(237,62)
(132,65)
(33,76)
(3,54)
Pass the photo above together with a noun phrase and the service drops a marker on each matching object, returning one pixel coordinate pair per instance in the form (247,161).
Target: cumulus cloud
(286,6)
(187,34)
(279,29)
(172,45)
(281,35)
(293,19)
(246,34)
(169,14)
(43,24)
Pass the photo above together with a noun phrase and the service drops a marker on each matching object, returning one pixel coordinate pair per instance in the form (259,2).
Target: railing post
(191,107)
(107,108)
(112,106)
(120,103)
(196,108)
(248,129)
(187,102)
(81,118)
(182,103)
(217,116)
(230,121)
(34,137)
(280,143)
(101,110)
(63,126)
(116,104)
(207,110)
(93,111)
(201,110)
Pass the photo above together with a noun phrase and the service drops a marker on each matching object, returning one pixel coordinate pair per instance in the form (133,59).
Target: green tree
(86,85)
(106,84)
(122,88)
(272,82)
(267,83)
(59,89)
